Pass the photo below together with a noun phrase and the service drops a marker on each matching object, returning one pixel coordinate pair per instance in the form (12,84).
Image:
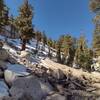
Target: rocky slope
(25,76)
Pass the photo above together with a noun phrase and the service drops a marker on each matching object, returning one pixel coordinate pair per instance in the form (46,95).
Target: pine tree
(49,43)
(12,26)
(95,7)
(1,11)
(71,53)
(96,41)
(54,44)
(83,56)
(44,40)
(38,37)
(24,23)
(3,14)
(59,44)
(68,49)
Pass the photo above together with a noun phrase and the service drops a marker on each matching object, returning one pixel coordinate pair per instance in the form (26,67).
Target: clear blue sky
(57,17)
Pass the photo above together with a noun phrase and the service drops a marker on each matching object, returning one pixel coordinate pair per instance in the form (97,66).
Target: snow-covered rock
(3,89)
(96,65)
(30,85)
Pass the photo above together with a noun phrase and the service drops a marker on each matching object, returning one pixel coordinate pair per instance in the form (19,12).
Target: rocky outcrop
(30,85)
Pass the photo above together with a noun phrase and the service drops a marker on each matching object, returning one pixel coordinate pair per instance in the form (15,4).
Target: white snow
(12,44)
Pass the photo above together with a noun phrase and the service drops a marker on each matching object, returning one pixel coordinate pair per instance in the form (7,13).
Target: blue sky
(57,17)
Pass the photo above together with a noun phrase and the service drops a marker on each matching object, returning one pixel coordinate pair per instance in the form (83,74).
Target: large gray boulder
(3,89)
(30,85)
(13,71)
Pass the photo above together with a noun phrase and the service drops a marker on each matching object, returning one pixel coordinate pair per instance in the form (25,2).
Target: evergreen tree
(44,40)
(68,49)
(60,56)
(24,23)
(1,11)
(96,41)
(38,37)
(83,56)
(49,47)
(95,7)
(3,14)
(54,44)
(12,26)
(59,44)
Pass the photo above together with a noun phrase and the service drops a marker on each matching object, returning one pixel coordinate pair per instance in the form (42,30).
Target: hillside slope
(36,76)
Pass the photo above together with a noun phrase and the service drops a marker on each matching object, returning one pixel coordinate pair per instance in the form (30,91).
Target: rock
(24,54)
(1,73)
(19,97)
(12,60)
(13,72)
(9,77)
(57,73)
(8,98)
(99,59)
(56,97)
(18,69)
(78,97)
(3,89)
(96,67)
(97,98)
(30,85)
(4,55)
(46,87)
(1,44)
(3,65)
(71,86)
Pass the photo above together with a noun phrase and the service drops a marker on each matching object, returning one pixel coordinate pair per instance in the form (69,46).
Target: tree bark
(37,45)
(24,44)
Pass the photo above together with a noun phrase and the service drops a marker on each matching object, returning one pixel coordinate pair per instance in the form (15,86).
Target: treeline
(74,52)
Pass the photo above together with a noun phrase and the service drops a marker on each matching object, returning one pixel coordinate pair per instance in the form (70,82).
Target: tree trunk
(44,46)
(49,53)
(58,56)
(24,44)
(37,45)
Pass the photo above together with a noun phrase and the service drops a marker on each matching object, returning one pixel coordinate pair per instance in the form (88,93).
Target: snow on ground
(13,46)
